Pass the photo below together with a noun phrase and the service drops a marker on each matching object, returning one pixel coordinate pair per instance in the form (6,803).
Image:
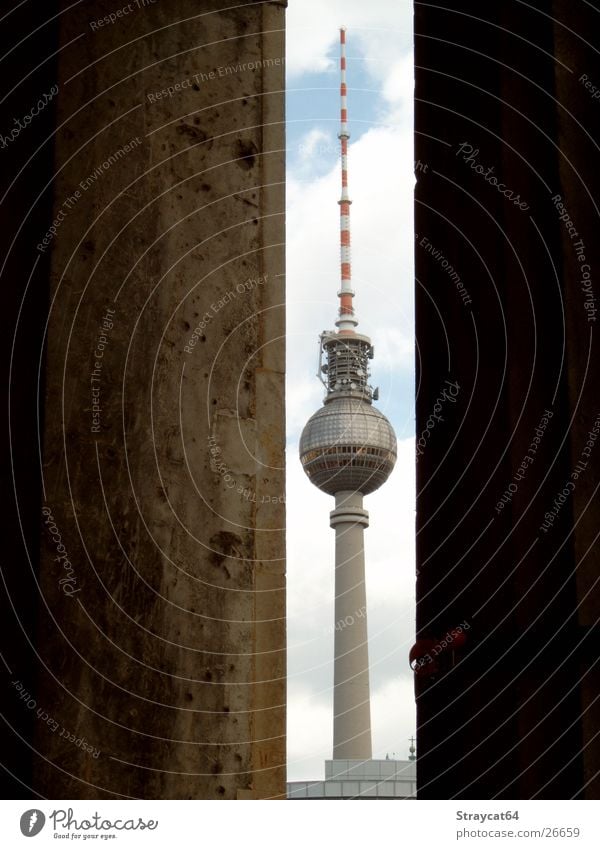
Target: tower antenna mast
(347,320)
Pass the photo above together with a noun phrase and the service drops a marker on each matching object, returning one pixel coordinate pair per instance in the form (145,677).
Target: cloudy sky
(380,80)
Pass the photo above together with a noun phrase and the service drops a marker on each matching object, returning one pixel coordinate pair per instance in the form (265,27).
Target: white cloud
(306,395)
(399,84)
(312,142)
(393,719)
(309,744)
(378,30)
(398,91)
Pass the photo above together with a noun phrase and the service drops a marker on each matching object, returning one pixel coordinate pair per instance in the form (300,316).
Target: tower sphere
(348,445)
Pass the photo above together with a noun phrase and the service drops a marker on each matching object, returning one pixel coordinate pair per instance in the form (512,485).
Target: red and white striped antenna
(347,320)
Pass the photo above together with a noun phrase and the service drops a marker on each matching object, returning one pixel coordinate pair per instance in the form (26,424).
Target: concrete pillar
(351,699)
(507,516)
(162,632)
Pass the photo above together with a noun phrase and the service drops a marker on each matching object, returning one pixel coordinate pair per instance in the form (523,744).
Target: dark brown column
(507,504)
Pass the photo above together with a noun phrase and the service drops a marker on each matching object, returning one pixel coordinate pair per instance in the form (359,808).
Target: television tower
(348,449)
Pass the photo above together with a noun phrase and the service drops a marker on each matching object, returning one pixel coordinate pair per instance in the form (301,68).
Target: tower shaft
(351,696)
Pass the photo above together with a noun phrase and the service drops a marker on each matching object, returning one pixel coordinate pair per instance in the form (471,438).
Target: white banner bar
(273,825)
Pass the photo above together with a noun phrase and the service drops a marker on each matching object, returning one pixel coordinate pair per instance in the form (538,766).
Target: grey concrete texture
(162,633)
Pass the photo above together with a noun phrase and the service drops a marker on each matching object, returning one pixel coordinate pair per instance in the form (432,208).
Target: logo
(32,822)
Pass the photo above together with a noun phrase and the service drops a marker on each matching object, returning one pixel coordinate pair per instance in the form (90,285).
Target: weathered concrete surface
(512,714)
(164,646)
